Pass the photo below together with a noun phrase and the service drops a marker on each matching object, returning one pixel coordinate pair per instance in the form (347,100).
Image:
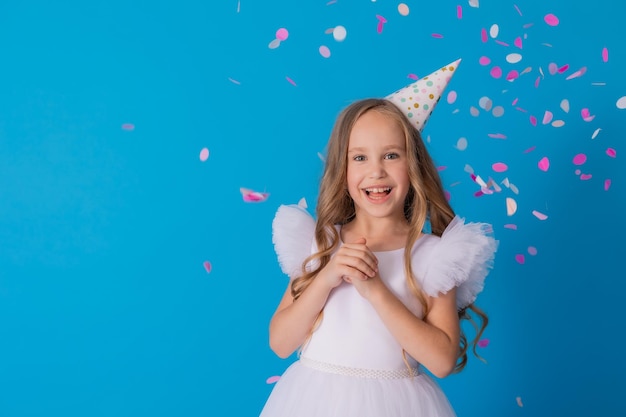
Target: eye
(392,155)
(358,158)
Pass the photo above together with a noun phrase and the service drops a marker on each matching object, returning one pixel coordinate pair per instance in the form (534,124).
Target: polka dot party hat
(418,100)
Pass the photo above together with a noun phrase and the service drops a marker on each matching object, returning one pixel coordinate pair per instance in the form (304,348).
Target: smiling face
(377,172)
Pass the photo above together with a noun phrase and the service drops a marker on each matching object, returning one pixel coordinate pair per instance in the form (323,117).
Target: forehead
(374,129)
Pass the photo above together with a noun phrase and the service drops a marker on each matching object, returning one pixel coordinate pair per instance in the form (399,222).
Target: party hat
(418,100)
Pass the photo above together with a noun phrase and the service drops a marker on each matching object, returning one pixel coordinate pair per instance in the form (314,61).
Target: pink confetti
(544,164)
(483,343)
(547,117)
(529,150)
(539,215)
(611,152)
(128,126)
(585,177)
(292,82)
(551,19)
(512,75)
(499,167)
(577,74)
(537,82)
(605,54)
(496,72)
(496,135)
(381,22)
(459,12)
(579,159)
(324,51)
(272,379)
(533,120)
(510,226)
(207,267)
(607,184)
(518,42)
(519,401)
(282,34)
(413,76)
(520,258)
(502,43)
(437,35)
(587,117)
(483,35)
(204,154)
(563,69)
(483,60)
(250,196)
(451,97)
(514,102)
(532,250)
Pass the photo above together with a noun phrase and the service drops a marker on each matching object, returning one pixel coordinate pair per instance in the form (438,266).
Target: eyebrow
(386,148)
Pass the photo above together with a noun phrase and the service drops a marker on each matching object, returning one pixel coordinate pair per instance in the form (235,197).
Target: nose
(377,169)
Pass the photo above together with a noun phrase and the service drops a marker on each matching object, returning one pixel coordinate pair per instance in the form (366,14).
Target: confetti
(461,144)
(496,72)
(551,19)
(585,177)
(282,34)
(565,105)
(611,152)
(587,117)
(520,258)
(233,81)
(595,133)
(483,343)
(532,250)
(128,126)
(577,74)
(621,103)
(250,196)
(459,12)
(513,58)
(539,215)
(204,154)
(485,103)
(558,123)
(437,35)
(483,35)
(510,226)
(605,54)
(207,267)
(483,60)
(518,42)
(607,184)
(340,33)
(274,44)
(473,3)
(494,30)
(272,379)
(533,120)
(499,167)
(403,9)
(292,82)
(381,22)
(544,164)
(324,51)
(451,97)
(547,117)
(511,206)
(519,401)
(496,135)
(579,159)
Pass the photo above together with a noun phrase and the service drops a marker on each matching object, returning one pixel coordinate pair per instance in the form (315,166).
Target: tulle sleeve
(293,231)
(462,258)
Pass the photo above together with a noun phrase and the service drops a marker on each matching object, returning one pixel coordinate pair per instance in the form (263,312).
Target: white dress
(352,365)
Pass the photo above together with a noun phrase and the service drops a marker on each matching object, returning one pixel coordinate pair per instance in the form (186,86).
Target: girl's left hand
(366,286)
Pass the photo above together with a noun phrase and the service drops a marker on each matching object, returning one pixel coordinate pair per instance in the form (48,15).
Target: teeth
(378,190)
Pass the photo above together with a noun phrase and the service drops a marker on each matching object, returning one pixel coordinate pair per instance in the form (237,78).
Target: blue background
(106,308)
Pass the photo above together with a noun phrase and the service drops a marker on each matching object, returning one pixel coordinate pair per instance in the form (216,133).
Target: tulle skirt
(306,391)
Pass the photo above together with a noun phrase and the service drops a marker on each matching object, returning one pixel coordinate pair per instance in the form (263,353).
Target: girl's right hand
(352,261)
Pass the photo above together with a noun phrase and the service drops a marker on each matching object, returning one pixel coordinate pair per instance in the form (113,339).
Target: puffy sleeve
(293,231)
(461,258)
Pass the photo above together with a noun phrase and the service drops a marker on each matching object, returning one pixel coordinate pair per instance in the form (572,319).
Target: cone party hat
(419,99)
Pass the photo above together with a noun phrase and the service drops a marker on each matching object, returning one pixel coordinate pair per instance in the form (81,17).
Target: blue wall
(108,214)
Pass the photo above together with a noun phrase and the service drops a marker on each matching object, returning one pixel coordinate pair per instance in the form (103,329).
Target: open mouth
(377,192)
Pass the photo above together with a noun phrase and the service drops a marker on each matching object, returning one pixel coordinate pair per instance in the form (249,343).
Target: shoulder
(293,232)
(461,258)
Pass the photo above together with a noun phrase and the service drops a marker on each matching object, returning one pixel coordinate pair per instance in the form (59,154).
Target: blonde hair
(426,201)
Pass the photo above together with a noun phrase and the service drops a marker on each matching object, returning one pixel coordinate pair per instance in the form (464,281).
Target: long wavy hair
(425,201)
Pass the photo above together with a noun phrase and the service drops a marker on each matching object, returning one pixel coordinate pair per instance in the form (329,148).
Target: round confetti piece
(579,159)
(340,33)
(204,154)
(511,206)
(544,164)
(621,103)
(499,167)
(498,111)
(474,111)
(483,60)
(207,266)
(494,30)
(496,72)
(520,258)
(324,51)
(485,103)
(272,379)
(532,250)
(577,172)
(282,34)
(403,9)
(611,152)
(461,144)
(483,343)
(552,68)
(551,19)
(513,58)
(451,97)
(128,126)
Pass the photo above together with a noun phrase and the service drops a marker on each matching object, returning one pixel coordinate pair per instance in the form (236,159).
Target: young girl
(374,299)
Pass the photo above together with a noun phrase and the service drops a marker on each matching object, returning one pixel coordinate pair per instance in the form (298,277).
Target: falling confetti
(282,34)
(519,401)
(532,250)
(204,154)
(511,206)
(381,23)
(451,97)
(483,343)
(250,196)
(292,82)
(539,215)
(607,184)
(551,19)
(233,81)
(128,126)
(621,103)
(544,163)
(272,379)
(605,55)
(499,167)
(520,258)
(340,33)
(611,152)
(595,133)
(207,266)
(461,144)
(324,51)
(579,159)
(403,9)
(459,12)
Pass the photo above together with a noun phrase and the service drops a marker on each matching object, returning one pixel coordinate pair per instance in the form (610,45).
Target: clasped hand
(356,264)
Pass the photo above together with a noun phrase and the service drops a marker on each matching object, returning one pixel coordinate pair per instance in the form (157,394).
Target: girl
(373,299)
